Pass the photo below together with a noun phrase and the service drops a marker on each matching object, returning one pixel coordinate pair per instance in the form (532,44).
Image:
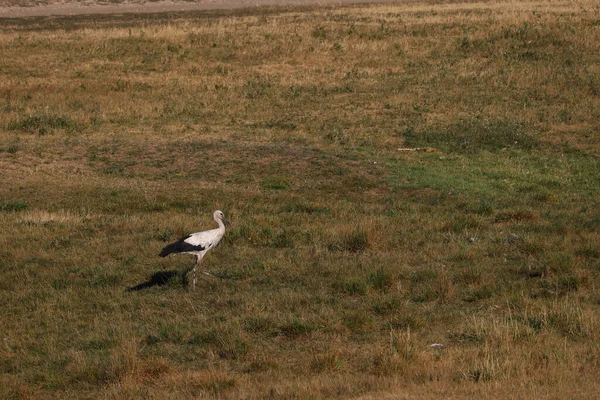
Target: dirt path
(29,8)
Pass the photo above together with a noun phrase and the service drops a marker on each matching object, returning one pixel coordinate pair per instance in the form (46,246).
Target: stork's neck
(220,223)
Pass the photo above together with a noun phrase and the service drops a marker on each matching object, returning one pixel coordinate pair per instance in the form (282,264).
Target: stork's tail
(172,248)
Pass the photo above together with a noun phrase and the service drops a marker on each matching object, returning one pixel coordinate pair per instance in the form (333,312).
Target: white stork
(199,243)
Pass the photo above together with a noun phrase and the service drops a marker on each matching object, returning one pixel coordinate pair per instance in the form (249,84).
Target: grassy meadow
(351,253)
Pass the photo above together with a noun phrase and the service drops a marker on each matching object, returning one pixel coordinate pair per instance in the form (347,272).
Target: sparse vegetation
(347,258)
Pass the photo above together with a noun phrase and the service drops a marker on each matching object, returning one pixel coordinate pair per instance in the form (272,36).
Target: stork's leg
(202,271)
(194,271)
(198,261)
(194,281)
(197,266)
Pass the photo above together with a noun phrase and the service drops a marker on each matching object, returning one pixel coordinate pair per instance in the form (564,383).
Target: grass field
(349,256)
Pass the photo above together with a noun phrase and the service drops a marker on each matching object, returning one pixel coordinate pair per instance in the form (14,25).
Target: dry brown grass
(348,258)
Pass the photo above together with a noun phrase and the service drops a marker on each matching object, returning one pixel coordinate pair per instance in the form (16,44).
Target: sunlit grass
(347,257)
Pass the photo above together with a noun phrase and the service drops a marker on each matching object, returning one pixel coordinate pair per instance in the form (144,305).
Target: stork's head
(218,215)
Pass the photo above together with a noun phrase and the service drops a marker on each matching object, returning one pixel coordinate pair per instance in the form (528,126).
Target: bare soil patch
(34,8)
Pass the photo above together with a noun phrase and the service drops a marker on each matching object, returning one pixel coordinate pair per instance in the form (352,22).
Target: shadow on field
(162,278)
(159,278)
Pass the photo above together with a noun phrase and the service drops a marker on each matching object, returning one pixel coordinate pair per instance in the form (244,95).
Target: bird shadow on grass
(163,278)
(159,278)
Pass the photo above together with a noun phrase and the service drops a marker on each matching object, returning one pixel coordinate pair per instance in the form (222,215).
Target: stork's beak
(226,222)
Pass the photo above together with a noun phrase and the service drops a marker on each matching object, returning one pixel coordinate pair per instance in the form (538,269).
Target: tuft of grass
(275,184)
(380,279)
(257,324)
(41,124)
(356,241)
(350,287)
(296,329)
(13,206)
(296,206)
(515,216)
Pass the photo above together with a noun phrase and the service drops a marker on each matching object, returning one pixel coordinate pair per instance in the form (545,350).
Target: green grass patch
(474,135)
(12,206)
(42,124)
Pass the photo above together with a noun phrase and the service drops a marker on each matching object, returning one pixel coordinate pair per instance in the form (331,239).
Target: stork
(199,243)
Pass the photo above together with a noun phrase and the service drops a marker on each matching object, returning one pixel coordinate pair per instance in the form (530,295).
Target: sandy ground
(26,9)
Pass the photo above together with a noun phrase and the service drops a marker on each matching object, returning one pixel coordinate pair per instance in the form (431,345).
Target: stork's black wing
(180,246)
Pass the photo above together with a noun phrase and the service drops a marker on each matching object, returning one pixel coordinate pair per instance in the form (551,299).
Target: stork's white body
(206,239)
(199,243)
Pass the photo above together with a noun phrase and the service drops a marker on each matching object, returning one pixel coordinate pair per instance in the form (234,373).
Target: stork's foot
(191,281)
